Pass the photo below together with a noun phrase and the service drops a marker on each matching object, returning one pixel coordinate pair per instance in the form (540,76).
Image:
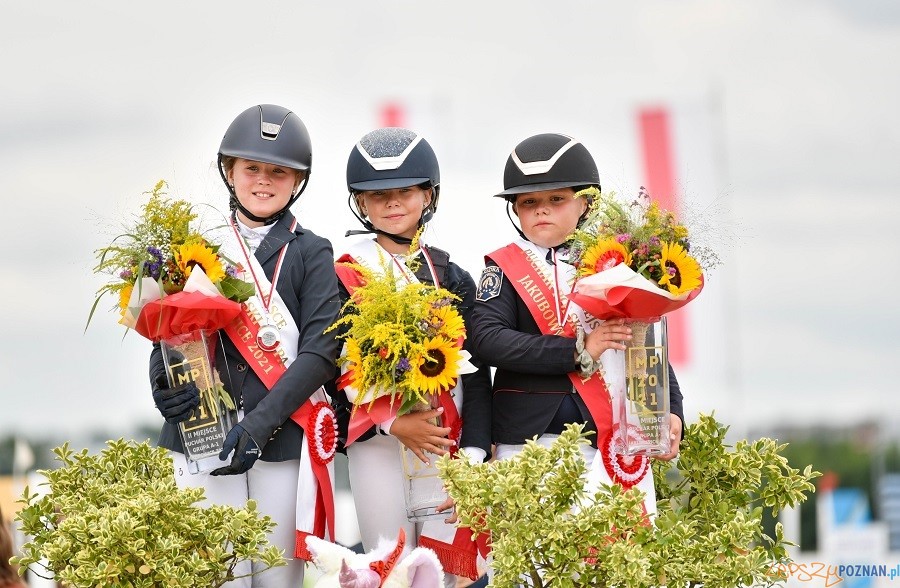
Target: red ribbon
(365,417)
(324,497)
(269,367)
(460,557)
(243,331)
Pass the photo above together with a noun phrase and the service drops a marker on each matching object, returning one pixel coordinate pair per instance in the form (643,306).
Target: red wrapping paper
(630,302)
(184,312)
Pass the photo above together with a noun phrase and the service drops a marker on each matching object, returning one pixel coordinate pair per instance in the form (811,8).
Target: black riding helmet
(546,162)
(389,158)
(270,134)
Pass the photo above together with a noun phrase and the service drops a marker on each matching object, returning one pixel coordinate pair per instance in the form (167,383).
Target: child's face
(549,216)
(262,188)
(396,211)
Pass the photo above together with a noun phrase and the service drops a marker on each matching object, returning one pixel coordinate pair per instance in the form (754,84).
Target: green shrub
(546,531)
(118,519)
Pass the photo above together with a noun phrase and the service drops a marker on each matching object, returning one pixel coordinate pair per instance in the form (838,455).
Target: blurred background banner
(771,127)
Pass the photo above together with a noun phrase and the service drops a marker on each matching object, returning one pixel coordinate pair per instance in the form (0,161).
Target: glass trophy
(641,406)
(187,359)
(423,489)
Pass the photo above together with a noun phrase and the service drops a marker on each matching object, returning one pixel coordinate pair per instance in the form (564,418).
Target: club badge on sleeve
(489,285)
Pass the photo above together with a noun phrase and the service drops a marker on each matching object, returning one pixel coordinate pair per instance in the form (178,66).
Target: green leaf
(235,289)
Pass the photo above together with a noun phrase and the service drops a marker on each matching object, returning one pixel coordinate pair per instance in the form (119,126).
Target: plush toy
(380,568)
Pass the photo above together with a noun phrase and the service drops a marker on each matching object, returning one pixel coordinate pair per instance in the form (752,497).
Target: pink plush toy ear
(422,568)
(351,578)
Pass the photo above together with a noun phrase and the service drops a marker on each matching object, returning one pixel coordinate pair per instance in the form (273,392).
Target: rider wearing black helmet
(388,159)
(549,161)
(394,179)
(548,370)
(273,359)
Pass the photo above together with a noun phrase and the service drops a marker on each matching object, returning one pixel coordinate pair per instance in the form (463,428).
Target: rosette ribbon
(620,292)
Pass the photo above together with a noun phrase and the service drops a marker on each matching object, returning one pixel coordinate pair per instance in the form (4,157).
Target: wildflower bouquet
(168,278)
(403,342)
(633,260)
(175,287)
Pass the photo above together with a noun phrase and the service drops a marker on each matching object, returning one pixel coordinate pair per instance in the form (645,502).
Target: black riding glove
(246,452)
(175,404)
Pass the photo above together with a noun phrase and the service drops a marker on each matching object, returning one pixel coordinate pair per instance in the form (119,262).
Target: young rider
(546,367)
(394,182)
(265,159)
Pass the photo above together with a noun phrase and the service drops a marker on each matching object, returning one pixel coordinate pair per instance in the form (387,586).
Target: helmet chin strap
(373,231)
(515,226)
(266,220)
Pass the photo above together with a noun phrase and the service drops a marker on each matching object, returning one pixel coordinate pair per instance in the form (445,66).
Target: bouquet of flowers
(173,284)
(633,260)
(402,342)
(161,256)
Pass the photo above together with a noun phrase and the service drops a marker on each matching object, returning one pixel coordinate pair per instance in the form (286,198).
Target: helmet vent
(270,131)
(543,166)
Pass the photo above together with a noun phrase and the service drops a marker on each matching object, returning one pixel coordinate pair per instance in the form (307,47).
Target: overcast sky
(787,136)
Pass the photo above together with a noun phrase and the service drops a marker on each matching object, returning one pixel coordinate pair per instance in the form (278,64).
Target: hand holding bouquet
(635,261)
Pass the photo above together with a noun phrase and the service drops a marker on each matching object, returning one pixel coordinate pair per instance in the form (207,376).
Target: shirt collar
(253,235)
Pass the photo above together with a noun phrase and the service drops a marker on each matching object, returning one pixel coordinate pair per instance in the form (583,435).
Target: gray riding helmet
(270,134)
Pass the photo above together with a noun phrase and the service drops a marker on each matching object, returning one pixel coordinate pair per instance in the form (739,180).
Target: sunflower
(437,368)
(194,253)
(124,297)
(680,272)
(603,255)
(354,362)
(447,322)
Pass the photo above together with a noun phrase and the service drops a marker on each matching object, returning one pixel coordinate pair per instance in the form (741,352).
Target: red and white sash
(456,549)
(544,288)
(315,484)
